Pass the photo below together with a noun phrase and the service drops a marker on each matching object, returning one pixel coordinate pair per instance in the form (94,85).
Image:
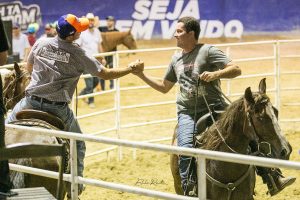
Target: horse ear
(262,86)
(17,68)
(249,96)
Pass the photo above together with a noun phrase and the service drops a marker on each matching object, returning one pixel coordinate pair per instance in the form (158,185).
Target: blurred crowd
(22,41)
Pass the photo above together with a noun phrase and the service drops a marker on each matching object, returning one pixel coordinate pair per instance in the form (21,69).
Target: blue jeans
(61,111)
(90,84)
(102,84)
(185,139)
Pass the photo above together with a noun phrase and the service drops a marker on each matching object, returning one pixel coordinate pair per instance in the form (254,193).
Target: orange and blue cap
(69,24)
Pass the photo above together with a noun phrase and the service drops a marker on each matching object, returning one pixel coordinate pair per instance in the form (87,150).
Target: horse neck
(233,126)
(112,39)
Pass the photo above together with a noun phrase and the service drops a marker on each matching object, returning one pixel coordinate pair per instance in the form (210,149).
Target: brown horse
(249,118)
(111,39)
(14,87)
(21,180)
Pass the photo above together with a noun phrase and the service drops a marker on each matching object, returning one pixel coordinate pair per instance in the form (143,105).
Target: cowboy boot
(276,182)
(190,187)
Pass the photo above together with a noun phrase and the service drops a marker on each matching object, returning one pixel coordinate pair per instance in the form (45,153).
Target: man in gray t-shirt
(197,69)
(55,65)
(185,69)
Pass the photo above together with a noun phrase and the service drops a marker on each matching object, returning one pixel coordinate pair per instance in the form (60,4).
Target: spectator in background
(49,31)
(90,41)
(110,21)
(20,43)
(31,35)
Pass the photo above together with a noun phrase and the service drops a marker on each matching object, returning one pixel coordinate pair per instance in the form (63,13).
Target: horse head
(14,86)
(129,41)
(263,124)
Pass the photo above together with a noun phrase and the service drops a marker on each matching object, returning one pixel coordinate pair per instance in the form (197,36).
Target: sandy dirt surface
(151,169)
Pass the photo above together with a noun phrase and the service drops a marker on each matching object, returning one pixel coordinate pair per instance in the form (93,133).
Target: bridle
(12,87)
(260,144)
(231,186)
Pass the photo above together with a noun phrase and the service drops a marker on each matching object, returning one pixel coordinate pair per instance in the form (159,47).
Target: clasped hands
(137,67)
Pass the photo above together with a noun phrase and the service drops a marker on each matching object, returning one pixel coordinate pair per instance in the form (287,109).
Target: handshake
(137,67)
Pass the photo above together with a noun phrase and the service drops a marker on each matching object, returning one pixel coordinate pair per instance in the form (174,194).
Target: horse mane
(227,124)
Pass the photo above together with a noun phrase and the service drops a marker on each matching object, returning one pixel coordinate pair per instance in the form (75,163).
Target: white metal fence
(200,154)
(275,57)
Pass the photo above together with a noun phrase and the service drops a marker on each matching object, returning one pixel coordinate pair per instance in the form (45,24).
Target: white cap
(90,16)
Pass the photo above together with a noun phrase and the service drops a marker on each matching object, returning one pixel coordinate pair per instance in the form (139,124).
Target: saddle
(30,114)
(205,122)
(30,117)
(202,125)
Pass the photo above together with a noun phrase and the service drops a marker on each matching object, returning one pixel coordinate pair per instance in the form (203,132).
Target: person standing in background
(90,41)
(49,31)
(31,35)
(110,20)
(20,43)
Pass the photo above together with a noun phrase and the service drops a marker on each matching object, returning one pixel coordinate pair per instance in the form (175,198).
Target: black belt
(43,100)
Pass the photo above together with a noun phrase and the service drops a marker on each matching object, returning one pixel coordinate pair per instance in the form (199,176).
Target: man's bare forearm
(109,74)
(231,71)
(155,84)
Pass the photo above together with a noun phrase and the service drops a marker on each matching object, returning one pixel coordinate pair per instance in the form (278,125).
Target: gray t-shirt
(185,69)
(57,66)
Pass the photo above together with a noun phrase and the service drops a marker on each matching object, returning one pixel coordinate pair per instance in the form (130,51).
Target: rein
(260,144)
(214,122)
(232,186)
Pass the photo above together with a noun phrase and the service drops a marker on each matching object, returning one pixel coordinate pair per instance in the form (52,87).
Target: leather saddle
(205,122)
(51,119)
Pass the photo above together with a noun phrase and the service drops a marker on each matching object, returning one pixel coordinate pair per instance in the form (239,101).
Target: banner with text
(149,19)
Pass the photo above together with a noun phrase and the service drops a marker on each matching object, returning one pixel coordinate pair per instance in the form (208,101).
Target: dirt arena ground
(152,166)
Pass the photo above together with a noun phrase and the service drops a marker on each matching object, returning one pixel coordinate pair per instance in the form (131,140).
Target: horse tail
(18,178)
